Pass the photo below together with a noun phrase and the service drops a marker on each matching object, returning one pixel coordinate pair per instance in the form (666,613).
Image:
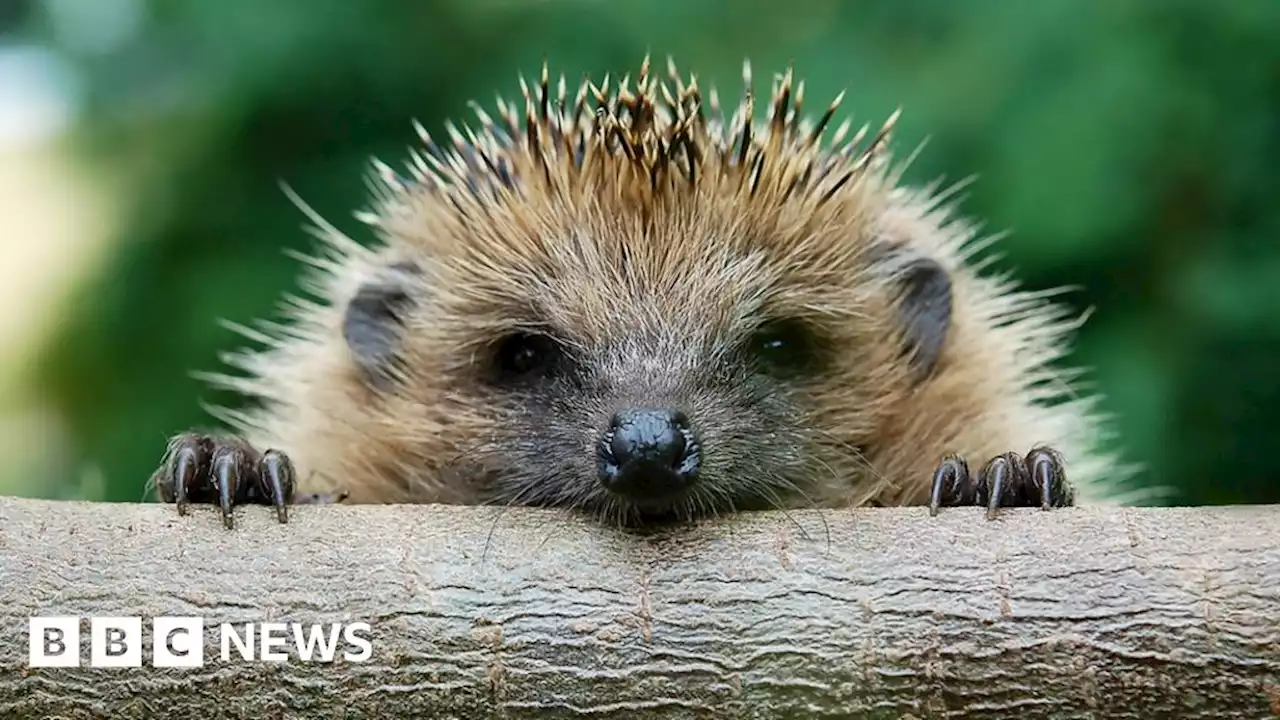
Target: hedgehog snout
(649,454)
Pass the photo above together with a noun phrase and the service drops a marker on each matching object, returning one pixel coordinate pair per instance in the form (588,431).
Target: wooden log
(476,612)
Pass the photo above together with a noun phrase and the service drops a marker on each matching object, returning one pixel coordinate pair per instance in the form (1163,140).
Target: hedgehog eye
(783,346)
(524,354)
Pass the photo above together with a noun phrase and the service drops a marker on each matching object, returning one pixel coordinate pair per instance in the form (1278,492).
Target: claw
(1040,469)
(1047,478)
(227,471)
(227,475)
(186,465)
(996,476)
(950,478)
(275,474)
(1007,480)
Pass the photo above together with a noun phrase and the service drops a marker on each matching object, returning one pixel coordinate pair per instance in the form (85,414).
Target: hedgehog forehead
(692,292)
(600,267)
(595,288)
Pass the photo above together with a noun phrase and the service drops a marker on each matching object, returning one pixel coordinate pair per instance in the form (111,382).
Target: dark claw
(226,471)
(1049,480)
(188,464)
(276,480)
(991,482)
(950,484)
(1000,483)
(1007,480)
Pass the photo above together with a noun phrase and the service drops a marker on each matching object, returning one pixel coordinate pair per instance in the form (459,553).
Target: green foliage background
(1131,146)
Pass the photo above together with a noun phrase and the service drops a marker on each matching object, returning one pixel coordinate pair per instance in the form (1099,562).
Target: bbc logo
(179,642)
(115,642)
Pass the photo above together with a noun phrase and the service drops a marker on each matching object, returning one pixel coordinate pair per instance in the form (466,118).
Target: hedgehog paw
(228,471)
(1007,480)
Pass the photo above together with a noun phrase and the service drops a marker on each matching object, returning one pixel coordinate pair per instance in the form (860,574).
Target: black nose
(649,453)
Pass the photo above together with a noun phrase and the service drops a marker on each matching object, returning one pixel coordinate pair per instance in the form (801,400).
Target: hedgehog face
(642,386)
(655,417)
(638,427)
(646,311)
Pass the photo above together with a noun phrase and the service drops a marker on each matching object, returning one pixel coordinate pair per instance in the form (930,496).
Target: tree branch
(1152,612)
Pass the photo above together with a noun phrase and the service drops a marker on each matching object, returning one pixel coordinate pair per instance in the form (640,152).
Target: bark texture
(1100,613)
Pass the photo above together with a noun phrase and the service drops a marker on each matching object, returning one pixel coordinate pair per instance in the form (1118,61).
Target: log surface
(1102,613)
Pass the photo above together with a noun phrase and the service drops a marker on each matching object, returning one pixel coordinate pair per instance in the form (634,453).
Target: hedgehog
(631,303)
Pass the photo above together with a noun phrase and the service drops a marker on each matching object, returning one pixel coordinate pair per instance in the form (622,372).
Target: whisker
(773,493)
(855,452)
(775,500)
(513,501)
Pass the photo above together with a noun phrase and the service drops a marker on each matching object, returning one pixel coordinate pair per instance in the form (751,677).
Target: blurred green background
(1131,147)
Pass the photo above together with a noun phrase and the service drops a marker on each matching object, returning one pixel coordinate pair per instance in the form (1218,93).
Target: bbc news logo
(179,642)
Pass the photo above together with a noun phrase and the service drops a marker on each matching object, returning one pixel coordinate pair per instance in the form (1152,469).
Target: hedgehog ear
(373,322)
(924,306)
